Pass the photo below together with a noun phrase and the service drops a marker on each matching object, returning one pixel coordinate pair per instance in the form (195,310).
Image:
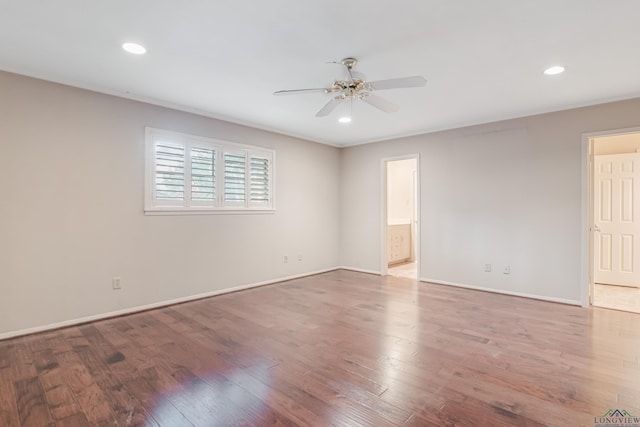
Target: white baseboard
(72,322)
(360,270)
(500,291)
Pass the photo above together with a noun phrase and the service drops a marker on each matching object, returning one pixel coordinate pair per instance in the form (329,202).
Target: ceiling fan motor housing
(349,89)
(349,62)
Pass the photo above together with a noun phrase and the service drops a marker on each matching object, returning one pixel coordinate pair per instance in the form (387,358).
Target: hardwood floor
(340,348)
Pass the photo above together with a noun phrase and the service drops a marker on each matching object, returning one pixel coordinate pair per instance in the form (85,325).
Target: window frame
(218,205)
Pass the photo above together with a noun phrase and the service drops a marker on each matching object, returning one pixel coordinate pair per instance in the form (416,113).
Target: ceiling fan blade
(380,103)
(299,91)
(402,82)
(329,107)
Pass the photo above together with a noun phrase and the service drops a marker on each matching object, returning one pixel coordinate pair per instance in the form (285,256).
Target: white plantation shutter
(259,179)
(169,173)
(186,173)
(203,176)
(235,177)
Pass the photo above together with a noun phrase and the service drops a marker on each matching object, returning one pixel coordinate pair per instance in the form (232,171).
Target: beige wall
(505,193)
(71,164)
(71,217)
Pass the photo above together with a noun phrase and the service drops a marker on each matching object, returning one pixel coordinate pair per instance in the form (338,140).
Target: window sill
(218,211)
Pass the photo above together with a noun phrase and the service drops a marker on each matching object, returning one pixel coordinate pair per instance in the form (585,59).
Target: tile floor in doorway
(617,297)
(406,269)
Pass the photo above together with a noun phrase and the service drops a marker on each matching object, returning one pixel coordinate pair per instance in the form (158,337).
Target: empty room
(319,213)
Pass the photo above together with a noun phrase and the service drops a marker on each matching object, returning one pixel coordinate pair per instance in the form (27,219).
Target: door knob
(596,228)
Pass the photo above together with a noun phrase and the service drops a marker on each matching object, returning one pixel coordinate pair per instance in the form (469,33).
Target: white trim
(146,307)
(500,291)
(81,320)
(217,211)
(384,264)
(586,244)
(612,132)
(360,270)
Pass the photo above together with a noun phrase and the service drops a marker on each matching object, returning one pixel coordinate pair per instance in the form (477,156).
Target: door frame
(587,235)
(383,188)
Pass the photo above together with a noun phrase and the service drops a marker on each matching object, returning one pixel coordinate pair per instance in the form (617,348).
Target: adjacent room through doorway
(616,224)
(401,217)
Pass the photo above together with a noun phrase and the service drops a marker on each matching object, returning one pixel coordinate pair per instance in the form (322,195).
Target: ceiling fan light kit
(356,87)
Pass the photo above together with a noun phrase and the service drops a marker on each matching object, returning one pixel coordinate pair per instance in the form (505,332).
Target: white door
(616,219)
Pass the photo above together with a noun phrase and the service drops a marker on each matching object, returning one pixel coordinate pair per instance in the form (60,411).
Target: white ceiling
(483,60)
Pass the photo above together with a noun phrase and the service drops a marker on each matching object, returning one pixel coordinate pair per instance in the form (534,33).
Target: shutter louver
(169,176)
(203,174)
(235,177)
(259,180)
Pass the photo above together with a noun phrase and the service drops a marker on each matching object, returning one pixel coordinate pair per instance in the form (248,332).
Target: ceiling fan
(356,87)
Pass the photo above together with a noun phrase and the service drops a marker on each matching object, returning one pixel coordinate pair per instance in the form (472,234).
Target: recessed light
(556,69)
(344,119)
(135,48)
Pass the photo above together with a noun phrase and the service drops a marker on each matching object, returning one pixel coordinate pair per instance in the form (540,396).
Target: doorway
(400,246)
(615,221)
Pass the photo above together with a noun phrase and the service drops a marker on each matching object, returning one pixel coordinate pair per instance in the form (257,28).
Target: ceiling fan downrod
(349,63)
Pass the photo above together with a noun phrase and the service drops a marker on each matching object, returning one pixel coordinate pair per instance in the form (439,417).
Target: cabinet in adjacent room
(399,243)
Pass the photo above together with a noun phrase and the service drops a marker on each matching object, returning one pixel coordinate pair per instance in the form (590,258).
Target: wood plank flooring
(340,348)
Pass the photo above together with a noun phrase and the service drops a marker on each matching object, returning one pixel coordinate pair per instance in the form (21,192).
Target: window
(191,174)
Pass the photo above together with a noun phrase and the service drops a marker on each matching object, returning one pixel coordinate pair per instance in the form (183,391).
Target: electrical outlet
(299,257)
(286,259)
(487,268)
(507,269)
(116,283)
